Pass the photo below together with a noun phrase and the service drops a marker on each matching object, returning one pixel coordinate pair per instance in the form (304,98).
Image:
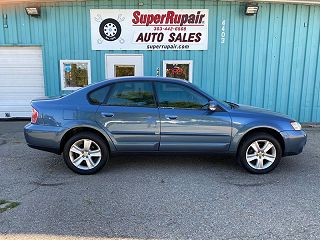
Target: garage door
(21,80)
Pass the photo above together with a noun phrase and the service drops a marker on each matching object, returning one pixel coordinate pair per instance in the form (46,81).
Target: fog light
(251,9)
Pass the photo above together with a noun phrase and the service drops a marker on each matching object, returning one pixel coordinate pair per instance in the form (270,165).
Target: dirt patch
(6,205)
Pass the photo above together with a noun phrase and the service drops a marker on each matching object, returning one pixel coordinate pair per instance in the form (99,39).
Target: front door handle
(171,117)
(107,114)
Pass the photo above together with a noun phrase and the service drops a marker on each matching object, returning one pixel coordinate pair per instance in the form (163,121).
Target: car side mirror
(212,106)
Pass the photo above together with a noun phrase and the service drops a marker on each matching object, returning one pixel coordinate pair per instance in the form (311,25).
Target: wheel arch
(276,134)
(71,132)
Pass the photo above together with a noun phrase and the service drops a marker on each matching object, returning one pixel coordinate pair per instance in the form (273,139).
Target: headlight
(296,126)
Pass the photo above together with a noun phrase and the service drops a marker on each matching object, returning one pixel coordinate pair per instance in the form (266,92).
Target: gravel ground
(156,197)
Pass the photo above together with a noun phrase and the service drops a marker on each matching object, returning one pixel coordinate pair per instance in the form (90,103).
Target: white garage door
(21,80)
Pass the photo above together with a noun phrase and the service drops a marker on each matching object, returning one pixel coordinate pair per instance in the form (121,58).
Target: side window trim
(105,102)
(155,94)
(112,86)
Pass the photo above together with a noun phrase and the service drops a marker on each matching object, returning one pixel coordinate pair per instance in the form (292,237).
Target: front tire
(85,153)
(260,153)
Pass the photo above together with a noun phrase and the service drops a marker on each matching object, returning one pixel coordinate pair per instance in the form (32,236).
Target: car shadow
(171,162)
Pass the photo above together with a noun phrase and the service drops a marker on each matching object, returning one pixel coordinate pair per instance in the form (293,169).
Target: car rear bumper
(294,142)
(46,138)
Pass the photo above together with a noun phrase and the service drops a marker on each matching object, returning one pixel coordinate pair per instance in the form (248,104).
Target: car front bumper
(294,142)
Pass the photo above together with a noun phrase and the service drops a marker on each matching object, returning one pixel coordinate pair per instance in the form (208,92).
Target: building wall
(270,60)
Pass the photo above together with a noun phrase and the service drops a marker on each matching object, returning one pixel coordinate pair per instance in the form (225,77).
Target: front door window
(173,95)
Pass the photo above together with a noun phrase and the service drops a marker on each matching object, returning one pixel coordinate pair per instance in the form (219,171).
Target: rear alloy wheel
(85,153)
(260,153)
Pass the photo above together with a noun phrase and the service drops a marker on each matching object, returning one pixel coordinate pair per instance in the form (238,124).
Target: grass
(6,205)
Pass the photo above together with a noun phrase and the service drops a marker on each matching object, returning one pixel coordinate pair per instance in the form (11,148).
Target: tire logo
(110,29)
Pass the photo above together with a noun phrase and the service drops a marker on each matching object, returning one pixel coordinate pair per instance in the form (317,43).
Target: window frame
(68,61)
(190,62)
(112,86)
(184,85)
(123,65)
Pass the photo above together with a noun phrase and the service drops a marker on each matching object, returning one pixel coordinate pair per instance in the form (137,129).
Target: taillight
(34,116)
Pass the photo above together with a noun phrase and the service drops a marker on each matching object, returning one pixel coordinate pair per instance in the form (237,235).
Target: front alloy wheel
(259,153)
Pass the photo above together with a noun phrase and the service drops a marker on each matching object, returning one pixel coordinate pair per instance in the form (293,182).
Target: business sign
(149,29)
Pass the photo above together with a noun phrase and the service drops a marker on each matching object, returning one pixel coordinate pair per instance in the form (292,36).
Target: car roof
(129,79)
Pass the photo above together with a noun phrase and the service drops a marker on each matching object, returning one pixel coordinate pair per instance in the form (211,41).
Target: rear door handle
(171,117)
(107,114)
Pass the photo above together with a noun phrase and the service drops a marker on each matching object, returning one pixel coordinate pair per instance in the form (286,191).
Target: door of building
(21,80)
(121,65)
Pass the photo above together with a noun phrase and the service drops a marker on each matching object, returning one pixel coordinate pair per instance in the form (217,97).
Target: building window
(124,70)
(75,74)
(178,69)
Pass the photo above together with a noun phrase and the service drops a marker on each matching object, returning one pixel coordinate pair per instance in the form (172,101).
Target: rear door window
(132,94)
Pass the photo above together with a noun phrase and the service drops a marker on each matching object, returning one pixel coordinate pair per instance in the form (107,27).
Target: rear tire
(259,153)
(85,153)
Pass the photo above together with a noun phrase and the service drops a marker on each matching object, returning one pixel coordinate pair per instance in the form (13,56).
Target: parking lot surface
(156,197)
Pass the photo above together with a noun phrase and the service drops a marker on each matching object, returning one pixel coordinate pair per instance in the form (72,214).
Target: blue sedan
(153,114)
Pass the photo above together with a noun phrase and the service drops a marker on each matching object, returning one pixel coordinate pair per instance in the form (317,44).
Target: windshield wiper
(232,105)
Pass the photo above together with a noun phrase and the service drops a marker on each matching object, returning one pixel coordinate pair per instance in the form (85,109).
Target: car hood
(257,110)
